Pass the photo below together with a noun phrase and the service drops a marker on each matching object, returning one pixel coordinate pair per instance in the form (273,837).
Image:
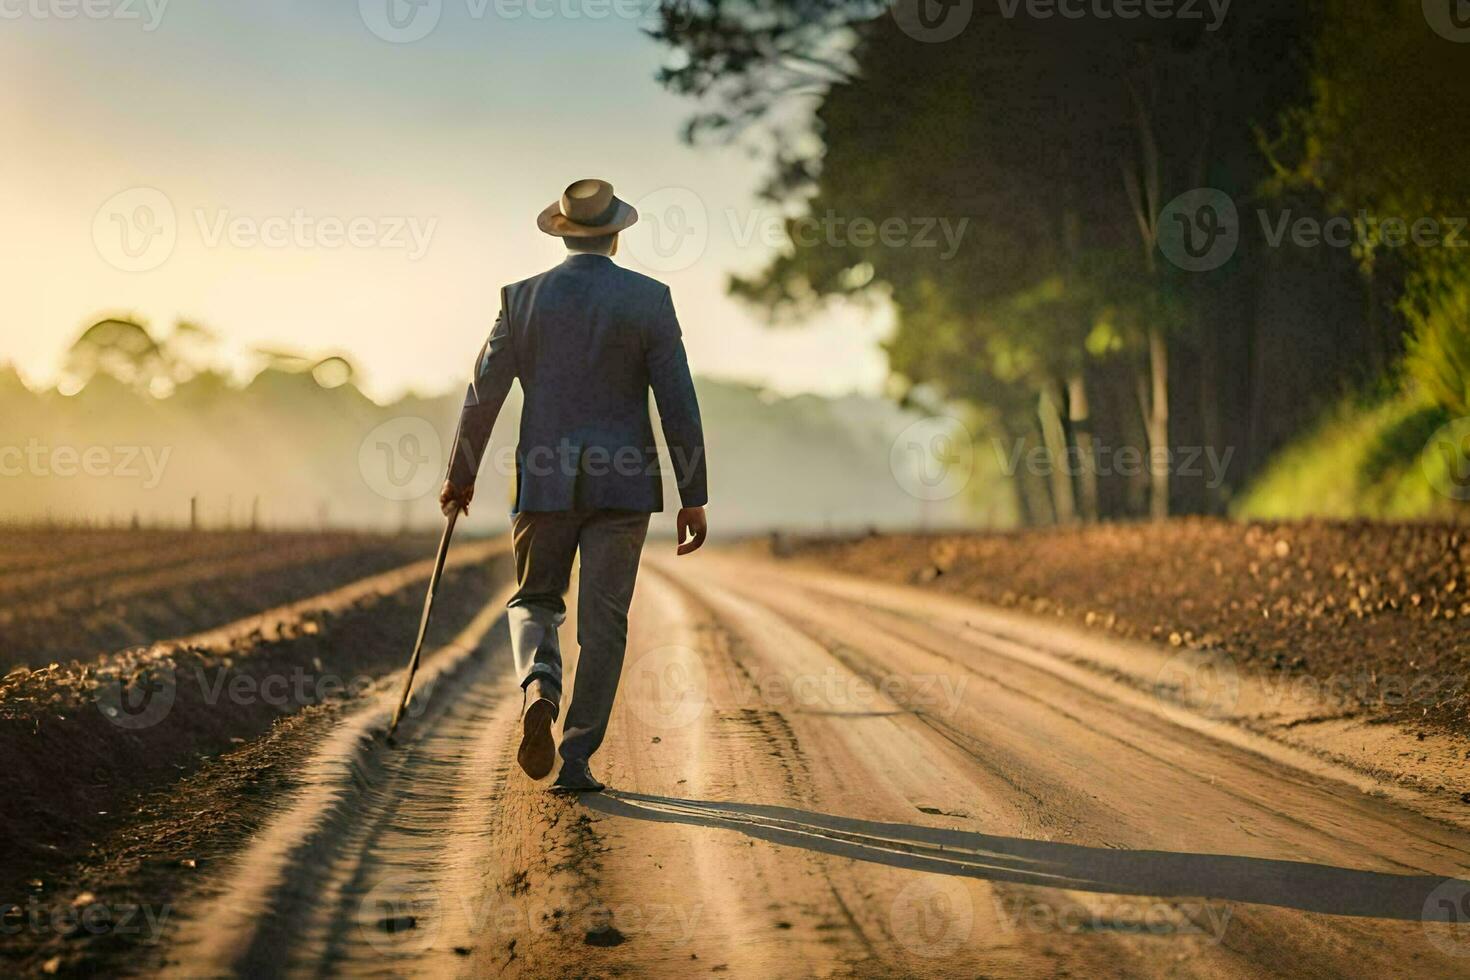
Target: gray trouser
(545,544)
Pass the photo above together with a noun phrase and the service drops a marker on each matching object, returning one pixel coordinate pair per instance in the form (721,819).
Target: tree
(1057,142)
(1381,142)
(118,348)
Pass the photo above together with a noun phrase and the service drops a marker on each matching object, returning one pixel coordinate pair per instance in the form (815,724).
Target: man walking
(587,340)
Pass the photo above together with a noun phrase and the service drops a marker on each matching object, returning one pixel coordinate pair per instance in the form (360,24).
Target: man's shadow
(1287,884)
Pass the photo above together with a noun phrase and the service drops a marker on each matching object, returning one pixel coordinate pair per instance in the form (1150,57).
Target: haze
(265,126)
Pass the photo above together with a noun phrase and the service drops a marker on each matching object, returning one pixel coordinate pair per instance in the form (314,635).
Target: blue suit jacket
(587,340)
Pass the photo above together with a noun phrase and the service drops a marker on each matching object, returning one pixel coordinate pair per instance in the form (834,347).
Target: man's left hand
(691,529)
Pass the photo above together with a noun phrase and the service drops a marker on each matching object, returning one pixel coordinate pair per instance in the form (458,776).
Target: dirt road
(813,776)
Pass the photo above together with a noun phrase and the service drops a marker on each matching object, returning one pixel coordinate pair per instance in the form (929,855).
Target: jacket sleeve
(495,369)
(678,408)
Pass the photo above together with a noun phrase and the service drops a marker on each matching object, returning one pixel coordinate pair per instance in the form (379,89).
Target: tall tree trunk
(1032,488)
(1158,424)
(1026,512)
(1142,185)
(1209,410)
(1139,482)
(1055,436)
(1255,430)
(1081,425)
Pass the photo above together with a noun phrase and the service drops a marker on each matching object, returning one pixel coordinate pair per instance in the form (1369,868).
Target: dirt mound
(1371,612)
(67,594)
(81,740)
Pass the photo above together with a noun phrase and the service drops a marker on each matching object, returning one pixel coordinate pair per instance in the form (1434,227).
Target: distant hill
(311,455)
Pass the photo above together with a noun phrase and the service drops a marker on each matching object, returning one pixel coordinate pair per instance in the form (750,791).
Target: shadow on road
(1288,884)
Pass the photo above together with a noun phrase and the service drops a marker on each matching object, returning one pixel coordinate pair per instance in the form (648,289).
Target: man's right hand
(453,498)
(691,529)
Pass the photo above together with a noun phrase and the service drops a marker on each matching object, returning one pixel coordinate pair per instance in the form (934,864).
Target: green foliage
(1397,443)
(1380,148)
(1061,142)
(1362,460)
(1384,129)
(1439,348)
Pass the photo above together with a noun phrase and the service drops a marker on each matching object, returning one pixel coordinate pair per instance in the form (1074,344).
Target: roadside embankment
(83,739)
(1373,618)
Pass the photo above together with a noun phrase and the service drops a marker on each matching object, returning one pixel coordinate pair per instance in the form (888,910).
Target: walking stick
(418,644)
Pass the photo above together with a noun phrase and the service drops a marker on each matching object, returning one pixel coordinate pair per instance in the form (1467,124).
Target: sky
(361,176)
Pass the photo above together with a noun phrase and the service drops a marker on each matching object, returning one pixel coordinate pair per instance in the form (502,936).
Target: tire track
(281,911)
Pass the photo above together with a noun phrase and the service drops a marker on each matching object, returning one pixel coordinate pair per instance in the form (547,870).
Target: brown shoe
(537,753)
